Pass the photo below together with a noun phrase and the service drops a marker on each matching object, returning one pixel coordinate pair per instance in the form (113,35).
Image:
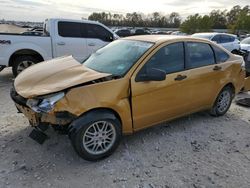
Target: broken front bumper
(35,118)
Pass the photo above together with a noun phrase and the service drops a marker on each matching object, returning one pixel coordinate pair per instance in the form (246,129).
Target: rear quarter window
(220,55)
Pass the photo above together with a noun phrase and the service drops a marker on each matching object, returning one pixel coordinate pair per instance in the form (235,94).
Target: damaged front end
(39,110)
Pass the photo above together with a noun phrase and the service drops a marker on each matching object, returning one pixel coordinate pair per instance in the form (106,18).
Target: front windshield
(246,41)
(203,36)
(117,57)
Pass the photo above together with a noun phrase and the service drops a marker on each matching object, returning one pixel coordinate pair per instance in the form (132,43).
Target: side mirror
(152,74)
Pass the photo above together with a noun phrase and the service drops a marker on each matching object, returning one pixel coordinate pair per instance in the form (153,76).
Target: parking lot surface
(194,151)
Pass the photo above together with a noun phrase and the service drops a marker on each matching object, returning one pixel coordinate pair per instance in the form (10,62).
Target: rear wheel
(22,62)
(223,102)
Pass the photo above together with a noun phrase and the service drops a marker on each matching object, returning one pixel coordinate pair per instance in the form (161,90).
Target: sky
(38,10)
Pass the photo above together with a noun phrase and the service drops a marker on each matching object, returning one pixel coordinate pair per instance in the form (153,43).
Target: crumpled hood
(52,76)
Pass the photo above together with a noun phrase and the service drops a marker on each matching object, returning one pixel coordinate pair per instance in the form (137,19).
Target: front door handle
(180,77)
(60,43)
(216,68)
(91,44)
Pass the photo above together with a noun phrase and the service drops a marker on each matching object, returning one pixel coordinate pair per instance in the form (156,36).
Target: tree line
(236,19)
(135,19)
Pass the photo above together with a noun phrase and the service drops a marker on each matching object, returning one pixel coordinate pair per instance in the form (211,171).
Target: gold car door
(156,101)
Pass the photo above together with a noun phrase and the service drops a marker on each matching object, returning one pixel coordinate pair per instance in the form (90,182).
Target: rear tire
(96,139)
(222,102)
(22,62)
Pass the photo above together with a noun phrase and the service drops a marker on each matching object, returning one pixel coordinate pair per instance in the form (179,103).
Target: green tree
(196,23)
(174,20)
(218,18)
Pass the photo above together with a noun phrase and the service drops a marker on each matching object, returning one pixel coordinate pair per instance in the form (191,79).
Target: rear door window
(217,39)
(69,29)
(226,39)
(198,55)
(98,32)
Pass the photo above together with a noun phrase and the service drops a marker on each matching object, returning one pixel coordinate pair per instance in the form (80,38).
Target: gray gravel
(194,151)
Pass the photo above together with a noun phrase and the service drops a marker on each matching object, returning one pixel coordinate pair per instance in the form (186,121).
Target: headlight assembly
(46,103)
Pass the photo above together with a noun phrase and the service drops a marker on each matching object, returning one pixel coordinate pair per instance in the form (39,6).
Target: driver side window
(169,58)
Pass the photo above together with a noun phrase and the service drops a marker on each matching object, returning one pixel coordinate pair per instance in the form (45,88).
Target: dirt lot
(6,28)
(194,151)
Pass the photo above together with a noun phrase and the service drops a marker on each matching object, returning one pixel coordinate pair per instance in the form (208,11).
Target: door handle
(180,77)
(60,43)
(91,44)
(216,68)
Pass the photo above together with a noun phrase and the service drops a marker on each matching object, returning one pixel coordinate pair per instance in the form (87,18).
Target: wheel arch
(231,85)
(26,51)
(89,115)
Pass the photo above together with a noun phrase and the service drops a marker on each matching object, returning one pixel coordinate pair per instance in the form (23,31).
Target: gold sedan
(130,84)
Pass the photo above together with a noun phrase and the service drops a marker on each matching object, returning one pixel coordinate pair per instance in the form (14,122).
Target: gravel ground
(194,151)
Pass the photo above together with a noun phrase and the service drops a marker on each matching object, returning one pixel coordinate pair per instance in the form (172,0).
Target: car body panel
(113,95)
(52,76)
(245,47)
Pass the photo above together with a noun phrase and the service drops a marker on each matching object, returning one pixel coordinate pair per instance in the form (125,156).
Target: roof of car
(214,33)
(161,38)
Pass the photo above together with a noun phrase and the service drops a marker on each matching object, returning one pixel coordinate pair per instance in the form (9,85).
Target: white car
(61,37)
(245,44)
(179,33)
(228,41)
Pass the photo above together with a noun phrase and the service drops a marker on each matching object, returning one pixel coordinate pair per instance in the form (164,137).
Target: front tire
(97,139)
(223,102)
(22,62)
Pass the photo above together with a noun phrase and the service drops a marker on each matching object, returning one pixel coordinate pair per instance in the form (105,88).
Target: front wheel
(98,139)
(223,102)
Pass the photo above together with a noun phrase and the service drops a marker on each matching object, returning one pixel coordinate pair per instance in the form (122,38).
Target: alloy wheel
(223,101)
(99,137)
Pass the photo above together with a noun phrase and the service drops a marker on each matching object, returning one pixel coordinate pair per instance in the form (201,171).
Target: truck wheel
(22,62)
(96,139)
(223,102)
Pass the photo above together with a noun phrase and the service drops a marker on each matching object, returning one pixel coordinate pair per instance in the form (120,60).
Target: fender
(88,117)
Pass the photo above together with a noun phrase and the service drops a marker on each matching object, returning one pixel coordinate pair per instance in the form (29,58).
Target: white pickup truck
(60,37)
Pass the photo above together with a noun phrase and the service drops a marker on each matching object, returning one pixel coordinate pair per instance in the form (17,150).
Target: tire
(22,62)
(222,102)
(86,139)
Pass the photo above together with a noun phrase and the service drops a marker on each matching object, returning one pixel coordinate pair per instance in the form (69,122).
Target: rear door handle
(216,68)
(180,77)
(61,43)
(91,44)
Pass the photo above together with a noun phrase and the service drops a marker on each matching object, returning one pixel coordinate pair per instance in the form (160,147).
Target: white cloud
(38,10)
